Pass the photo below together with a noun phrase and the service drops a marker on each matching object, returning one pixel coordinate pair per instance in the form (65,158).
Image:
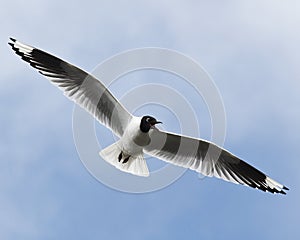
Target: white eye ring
(147,119)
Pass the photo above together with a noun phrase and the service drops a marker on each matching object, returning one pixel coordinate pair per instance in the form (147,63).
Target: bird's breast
(135,136)
(133,139)
(142,139)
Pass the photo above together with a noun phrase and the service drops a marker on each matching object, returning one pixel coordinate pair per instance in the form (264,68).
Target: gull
(139,135)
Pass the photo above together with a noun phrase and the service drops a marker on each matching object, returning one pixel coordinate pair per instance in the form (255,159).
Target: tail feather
(135,165)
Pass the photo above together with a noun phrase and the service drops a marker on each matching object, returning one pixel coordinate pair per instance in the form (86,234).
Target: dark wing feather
(209,160)
(79,86)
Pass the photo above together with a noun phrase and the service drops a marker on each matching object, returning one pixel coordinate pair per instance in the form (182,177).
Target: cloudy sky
(251,51)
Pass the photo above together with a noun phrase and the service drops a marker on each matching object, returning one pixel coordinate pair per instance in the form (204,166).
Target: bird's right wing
(208,159)
(77,85)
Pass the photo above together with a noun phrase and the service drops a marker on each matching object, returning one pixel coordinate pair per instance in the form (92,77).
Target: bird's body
(138,135)
(127,153)
(130,147)
(134,139)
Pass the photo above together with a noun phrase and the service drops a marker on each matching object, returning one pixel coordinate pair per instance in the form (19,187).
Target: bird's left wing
(77,85)
(208,159)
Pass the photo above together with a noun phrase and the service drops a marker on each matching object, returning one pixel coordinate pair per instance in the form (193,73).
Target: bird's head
(148,122)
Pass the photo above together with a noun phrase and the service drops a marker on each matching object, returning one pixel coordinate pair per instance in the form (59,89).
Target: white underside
(136,164)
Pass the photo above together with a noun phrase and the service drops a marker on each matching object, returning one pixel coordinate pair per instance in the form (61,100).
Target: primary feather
(79,86)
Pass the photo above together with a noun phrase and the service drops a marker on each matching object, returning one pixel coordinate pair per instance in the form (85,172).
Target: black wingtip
(285,188)
(11,42)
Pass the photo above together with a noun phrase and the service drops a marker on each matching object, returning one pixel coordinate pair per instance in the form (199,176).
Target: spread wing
(208,159)
(77,85)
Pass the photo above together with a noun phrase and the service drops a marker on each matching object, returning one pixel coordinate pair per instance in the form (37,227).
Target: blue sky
(251,50)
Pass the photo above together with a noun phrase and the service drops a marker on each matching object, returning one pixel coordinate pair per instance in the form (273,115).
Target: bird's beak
(154,122)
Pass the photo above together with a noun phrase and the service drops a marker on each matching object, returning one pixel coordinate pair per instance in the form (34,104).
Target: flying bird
(139,135)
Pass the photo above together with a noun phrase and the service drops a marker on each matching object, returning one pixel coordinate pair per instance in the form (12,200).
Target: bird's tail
(135,165)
